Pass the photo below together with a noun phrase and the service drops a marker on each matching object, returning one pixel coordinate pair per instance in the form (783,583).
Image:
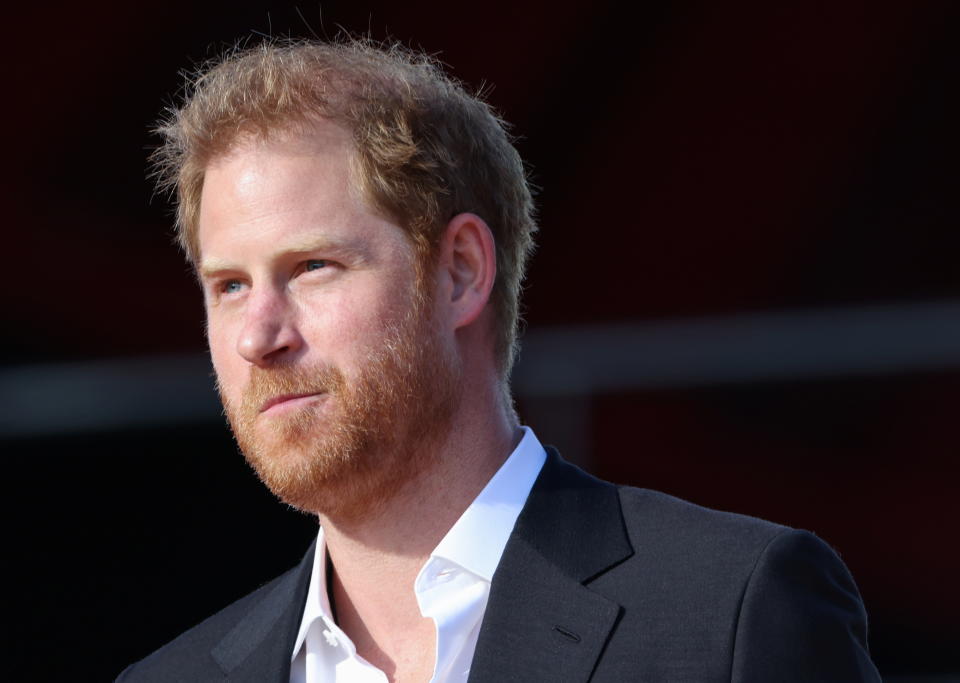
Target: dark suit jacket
(600,583)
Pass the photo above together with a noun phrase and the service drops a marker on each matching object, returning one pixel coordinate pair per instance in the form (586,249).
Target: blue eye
(232,286)
(315,264)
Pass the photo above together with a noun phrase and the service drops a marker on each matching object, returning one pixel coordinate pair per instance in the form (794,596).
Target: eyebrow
(352,248)
(214,265)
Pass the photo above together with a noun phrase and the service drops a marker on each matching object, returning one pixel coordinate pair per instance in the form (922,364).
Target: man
(360,227)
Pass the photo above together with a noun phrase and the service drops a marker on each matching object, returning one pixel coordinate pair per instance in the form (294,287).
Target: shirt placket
(454,599)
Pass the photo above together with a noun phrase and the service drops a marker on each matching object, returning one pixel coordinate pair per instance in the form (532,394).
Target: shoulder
(676,525)
(727,545)
(191,656)
(769,598)
(799,591)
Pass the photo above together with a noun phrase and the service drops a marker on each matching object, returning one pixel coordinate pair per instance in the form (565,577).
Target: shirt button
(331,638)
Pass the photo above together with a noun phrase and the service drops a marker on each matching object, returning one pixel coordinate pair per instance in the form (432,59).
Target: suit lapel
(542,622)
(258,648)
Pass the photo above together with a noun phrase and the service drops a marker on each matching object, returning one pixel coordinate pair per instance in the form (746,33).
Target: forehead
(298,186)
(287,162)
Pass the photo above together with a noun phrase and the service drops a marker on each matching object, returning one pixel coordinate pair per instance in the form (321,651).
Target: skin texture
(358,392)
(329,363)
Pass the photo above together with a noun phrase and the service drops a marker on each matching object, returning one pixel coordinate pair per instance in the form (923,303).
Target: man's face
(333,372)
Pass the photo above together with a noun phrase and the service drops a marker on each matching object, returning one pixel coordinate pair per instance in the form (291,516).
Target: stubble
(347,454)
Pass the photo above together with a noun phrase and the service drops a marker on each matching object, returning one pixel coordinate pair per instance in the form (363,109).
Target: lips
(283,399)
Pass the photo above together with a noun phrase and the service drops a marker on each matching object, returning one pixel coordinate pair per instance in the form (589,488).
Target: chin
(308,467)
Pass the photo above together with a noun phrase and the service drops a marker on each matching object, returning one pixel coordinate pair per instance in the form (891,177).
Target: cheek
(345,333)
(227,363)
(339,334)
(358,315)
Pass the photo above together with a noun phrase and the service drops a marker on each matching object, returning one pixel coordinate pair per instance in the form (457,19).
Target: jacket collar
(542,621)
(258,648)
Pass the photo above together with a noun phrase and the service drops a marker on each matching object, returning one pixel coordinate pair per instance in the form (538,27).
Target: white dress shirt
(452,587)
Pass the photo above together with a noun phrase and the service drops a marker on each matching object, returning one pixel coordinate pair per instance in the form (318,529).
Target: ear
(468,264)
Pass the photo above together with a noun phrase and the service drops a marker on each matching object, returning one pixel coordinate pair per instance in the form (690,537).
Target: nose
(269,334)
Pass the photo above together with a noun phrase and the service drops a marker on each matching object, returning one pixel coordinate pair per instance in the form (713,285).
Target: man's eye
(315,264)
(231,286)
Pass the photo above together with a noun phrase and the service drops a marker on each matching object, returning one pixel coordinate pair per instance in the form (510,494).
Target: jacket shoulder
(700,541)
(756,600)
(652,517)
(687,554)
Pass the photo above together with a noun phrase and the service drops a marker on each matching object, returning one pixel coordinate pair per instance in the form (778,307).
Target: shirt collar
(317,605)
(476,541)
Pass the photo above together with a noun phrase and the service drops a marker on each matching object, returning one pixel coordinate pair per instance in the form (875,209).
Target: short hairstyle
(426,149)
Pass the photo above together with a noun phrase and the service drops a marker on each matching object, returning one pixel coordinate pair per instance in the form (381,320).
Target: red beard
(351,450)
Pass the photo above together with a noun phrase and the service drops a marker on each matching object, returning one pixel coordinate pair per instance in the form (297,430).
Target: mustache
(265,384)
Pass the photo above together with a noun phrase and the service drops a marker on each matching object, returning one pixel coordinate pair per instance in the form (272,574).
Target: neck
(376,558)
(417,516)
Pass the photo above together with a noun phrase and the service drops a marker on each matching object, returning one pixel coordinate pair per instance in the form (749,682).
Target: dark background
(697,161)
